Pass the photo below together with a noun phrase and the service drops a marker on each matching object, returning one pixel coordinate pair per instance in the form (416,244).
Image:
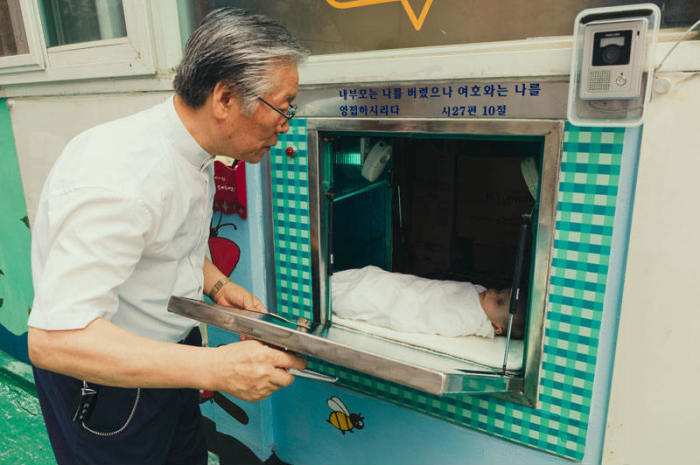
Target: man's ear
(498,329)
(224,100)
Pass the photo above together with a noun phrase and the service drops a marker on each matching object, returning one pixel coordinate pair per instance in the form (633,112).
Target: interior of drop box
(442,209)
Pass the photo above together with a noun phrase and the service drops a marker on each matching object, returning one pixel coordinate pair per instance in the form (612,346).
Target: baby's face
(496,304)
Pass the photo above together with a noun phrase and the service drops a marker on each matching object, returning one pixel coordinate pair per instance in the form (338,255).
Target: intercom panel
(613,59)
(612,65)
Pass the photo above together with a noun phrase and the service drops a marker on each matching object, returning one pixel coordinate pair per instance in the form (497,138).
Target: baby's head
(496,304)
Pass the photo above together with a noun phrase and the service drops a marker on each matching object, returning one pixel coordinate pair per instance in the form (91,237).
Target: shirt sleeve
(95,237)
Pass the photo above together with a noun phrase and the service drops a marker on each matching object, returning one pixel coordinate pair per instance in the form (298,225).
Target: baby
(412,304)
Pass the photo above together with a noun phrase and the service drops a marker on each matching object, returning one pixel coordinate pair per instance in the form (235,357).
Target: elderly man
(122,225)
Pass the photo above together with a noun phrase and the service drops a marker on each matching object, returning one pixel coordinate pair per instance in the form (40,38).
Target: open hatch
(467,201)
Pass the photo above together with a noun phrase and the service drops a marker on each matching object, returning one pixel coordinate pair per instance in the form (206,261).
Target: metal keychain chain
(128,420)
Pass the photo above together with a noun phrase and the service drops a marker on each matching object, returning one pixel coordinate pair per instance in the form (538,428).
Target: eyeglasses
(290,112)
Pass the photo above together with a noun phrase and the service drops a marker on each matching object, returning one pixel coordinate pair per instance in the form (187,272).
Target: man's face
(249,137)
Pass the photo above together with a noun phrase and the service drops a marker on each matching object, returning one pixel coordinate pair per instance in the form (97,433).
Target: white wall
(654,408)
(43,126)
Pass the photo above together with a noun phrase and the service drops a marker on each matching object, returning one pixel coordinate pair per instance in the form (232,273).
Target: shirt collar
(182,141)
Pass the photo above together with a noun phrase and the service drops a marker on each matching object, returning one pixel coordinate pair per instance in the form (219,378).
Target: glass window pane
(337,26)
(73,21)
(13,38)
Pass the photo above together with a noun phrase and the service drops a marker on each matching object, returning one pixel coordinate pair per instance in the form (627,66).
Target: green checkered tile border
(290,210)
(588,187)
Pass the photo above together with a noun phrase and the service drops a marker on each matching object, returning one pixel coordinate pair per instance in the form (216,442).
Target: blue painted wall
(252,273)
(391,434)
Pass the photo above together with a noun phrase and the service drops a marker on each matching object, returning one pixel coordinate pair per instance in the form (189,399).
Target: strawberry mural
(224,252)
(230,198)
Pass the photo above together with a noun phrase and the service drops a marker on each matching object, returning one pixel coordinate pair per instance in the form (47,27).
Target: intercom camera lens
(611,54)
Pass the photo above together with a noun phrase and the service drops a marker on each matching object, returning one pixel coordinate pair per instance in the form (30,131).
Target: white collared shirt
(122,225)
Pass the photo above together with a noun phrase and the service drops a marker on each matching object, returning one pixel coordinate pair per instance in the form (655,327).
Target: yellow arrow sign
(416,20)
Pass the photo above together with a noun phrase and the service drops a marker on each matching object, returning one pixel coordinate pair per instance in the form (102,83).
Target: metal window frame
(552,131)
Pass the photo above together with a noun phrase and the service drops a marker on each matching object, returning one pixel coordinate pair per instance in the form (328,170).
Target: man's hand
(252,371)
(233,294)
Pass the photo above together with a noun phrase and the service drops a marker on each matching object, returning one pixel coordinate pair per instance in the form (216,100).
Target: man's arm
(107,354)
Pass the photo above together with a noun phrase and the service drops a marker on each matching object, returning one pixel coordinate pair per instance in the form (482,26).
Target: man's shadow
(230,450)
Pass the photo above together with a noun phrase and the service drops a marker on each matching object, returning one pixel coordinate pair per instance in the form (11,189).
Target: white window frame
(34,59)
(121,57)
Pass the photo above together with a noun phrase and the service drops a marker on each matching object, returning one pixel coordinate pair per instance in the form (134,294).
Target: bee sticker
(341,418)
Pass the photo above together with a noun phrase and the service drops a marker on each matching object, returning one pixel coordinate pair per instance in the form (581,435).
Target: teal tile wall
(290,210)
(588,186)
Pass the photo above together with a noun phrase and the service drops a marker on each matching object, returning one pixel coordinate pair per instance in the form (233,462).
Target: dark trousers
(166,426)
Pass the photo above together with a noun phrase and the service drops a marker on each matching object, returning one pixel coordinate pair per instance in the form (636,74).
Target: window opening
(444,209)
(74,21)
(13,37)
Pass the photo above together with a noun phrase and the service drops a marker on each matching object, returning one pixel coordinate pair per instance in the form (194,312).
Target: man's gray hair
(238,48)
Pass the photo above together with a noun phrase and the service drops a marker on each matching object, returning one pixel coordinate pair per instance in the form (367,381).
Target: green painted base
(23,437)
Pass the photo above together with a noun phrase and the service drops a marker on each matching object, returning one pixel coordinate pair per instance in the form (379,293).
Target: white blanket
(481,350)
(410,304)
